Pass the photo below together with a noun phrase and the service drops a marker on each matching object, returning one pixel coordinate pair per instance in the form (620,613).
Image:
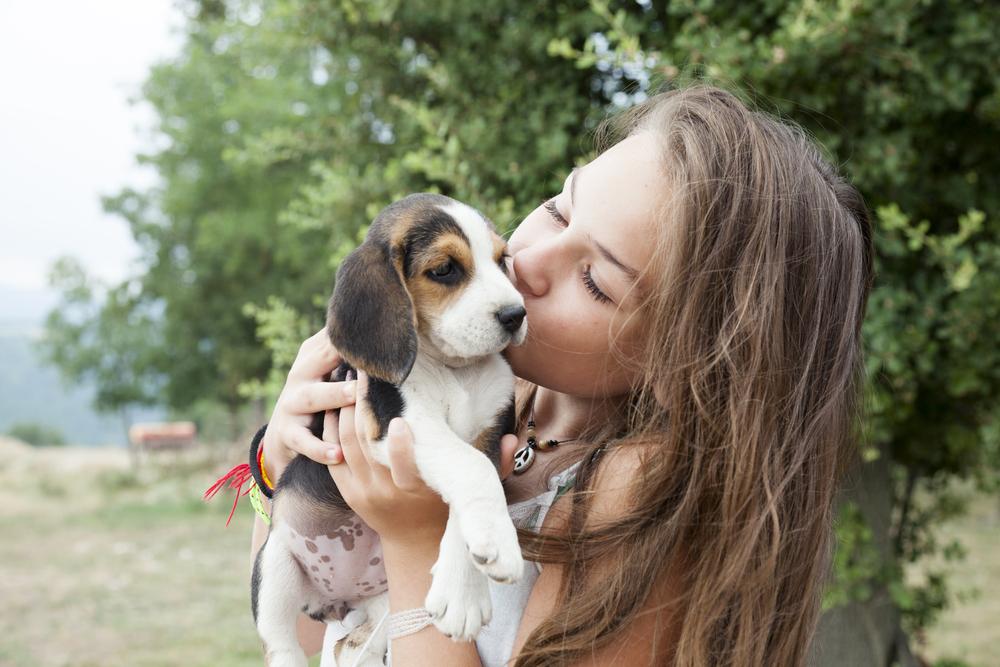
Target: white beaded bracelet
(407,622)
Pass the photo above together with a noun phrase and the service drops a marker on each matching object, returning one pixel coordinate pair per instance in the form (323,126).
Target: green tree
(104,338)
(284,126)
(210,233)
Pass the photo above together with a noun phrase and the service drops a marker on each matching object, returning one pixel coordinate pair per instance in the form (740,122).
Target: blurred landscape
(32,392)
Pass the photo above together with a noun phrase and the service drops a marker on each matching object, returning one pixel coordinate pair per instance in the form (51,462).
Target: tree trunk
(866,634)
(133,451)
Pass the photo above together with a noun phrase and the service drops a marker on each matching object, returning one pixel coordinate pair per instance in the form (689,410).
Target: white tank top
(496,640)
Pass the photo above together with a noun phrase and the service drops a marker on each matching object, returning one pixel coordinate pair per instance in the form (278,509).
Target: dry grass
(102,566)
(969,631)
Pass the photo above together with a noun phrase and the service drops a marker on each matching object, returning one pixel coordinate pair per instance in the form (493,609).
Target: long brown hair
(749,398)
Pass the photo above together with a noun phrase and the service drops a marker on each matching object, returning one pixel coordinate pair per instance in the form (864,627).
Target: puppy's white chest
(469,398)
(463,417)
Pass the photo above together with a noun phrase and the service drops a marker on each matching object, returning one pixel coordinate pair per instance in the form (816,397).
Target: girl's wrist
(408,563)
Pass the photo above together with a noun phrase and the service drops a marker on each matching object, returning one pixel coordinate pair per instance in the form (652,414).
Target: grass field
(969,631)
(100,566)
(103,567)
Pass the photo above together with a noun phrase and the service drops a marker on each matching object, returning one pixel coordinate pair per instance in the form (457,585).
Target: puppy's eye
(444,270)
(502,261)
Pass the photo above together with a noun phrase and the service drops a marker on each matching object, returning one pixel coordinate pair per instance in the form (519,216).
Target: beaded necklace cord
(525,456)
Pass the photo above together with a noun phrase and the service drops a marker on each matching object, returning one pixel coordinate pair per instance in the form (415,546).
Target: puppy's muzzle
(511,317)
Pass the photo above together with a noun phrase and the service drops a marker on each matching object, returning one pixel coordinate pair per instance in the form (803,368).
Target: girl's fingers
(305,443)
(319,396)
(351,447)
(363,415)
(363,420)
(401,461)
(331,429)
(316,358)
(508,447)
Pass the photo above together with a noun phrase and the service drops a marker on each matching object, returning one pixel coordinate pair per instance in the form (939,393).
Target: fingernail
(349,389)
(396,427)
(331,455)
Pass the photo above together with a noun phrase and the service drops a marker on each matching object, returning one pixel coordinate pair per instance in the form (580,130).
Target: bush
(38,435)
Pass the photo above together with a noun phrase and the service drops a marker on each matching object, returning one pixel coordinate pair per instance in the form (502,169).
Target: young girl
(695,297)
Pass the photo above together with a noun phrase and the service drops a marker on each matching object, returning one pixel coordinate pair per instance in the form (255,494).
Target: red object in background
(163,435)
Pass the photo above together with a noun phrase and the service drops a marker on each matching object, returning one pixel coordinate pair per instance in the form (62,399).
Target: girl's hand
(304,394)
(393,500)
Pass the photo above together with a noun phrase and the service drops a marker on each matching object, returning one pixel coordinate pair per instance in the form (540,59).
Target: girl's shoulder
(613,483)
(610,490)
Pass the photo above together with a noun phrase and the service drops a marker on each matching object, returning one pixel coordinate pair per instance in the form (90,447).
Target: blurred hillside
(33,392)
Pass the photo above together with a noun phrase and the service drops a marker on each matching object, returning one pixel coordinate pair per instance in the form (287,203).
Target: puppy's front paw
(459,601)
(492,542)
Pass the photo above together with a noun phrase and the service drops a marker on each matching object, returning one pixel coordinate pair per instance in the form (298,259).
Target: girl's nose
(534,265)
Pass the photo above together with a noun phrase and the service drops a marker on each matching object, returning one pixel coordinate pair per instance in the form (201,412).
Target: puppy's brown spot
(484,439)
(371,426)
(499,246)
(432,297)
(488,440)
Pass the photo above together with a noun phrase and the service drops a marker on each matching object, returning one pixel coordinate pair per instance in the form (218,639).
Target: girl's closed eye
(588,279)
(550,206)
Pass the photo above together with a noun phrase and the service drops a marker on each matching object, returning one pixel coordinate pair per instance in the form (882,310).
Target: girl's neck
(557,416)
(562,416)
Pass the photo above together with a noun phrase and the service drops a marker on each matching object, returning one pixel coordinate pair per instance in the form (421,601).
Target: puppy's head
(432,268)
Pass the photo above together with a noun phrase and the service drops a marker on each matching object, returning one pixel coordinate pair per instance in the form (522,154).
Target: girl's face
(576,260)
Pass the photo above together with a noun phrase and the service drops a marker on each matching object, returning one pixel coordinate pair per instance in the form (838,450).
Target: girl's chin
(517,356)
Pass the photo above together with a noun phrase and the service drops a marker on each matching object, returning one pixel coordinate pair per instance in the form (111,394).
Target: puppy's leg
(366,645)
(280,595)
(459,598)
(469,483)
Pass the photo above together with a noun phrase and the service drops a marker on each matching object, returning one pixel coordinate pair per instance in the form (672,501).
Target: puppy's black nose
(510,317)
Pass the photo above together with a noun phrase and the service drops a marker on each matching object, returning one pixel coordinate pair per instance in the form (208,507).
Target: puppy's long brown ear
(371,319)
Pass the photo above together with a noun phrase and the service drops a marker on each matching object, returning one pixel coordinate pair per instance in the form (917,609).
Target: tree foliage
(284,126)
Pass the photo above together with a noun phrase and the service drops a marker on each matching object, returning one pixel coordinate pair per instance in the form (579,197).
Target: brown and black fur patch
(499,247)
(371,320)
(488,440)
(430,297)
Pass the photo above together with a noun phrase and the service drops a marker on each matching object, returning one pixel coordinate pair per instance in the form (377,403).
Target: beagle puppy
(424,306)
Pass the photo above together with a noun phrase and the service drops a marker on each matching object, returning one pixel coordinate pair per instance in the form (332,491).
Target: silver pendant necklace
(525,456)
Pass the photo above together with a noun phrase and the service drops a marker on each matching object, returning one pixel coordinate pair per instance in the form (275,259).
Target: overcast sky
(69,135)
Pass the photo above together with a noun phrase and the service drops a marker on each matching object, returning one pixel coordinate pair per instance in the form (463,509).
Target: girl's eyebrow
(572,184)
(629,272)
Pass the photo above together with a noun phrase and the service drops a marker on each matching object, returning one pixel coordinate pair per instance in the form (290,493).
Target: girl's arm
(408,568)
